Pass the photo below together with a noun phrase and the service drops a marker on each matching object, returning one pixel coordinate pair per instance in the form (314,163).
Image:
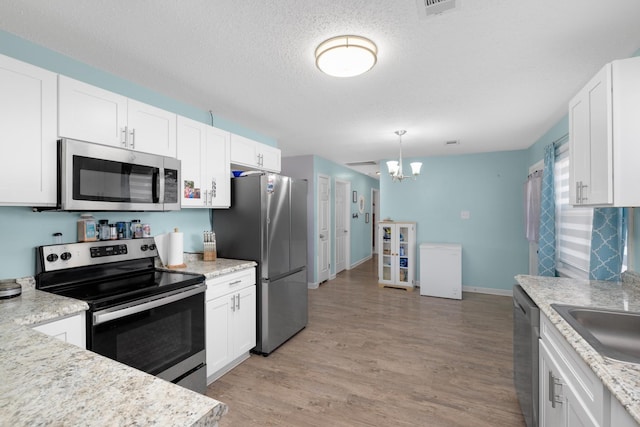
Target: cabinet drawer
(231,282)
(584,381)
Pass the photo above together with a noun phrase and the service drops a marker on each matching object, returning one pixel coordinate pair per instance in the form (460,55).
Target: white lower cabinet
(570,392)
(230,321)
(70,329)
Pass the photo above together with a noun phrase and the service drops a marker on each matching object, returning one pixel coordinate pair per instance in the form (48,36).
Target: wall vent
(427,8)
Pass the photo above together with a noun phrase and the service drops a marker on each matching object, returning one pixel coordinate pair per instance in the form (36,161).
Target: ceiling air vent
(365,163)
(427,8)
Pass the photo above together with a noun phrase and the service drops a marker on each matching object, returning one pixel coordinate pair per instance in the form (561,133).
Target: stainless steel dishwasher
(526,332)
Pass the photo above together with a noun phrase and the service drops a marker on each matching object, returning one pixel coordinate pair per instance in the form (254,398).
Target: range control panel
(98,251)
(70,255)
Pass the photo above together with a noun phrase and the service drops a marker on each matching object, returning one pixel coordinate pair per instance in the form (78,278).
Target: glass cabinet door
(403,254)
(387,252)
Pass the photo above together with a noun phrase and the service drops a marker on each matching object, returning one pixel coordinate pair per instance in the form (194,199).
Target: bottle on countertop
(104,229)
(136,229)
(87,230)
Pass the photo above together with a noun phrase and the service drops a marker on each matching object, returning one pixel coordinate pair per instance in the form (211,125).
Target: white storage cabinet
(570,393)
(28,114)
(441,270)
(603,135)
(70,329)
(251,154)
(92,114)
(230,321)
(397,243)
(206,172)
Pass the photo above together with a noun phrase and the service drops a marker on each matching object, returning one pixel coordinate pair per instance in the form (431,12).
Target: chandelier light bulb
(395,167)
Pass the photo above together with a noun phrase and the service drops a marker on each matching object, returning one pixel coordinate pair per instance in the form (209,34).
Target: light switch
(465,215)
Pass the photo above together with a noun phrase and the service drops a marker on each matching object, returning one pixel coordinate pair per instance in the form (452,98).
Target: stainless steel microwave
(96,177)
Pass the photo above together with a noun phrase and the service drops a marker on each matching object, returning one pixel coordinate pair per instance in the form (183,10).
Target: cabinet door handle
(582,197)
(133,139)
(235,282)
(123,137)
(553,397)
(578,192)
(233,303)
(238,301)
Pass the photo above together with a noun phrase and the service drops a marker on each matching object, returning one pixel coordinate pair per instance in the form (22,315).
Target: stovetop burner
(106,274)
(111,292)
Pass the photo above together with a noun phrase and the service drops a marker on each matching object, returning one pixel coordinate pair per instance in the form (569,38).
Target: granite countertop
(44,381)
(622,379)
(211,269)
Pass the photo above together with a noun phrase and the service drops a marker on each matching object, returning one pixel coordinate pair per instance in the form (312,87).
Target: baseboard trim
(490,291)
(313,285)
(362,261)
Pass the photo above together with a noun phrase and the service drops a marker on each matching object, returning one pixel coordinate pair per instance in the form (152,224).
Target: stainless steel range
(147,318)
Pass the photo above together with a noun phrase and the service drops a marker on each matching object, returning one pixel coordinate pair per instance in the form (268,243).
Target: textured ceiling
(494,74)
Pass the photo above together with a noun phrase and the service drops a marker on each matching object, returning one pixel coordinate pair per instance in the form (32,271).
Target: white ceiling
(493,74)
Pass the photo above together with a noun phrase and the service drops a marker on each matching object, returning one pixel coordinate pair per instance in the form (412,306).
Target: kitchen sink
(613,334)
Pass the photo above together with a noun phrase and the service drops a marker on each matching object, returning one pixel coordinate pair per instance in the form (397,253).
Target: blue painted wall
(535,153)
(361,244)
(488,186)
(22,230)
(309,167)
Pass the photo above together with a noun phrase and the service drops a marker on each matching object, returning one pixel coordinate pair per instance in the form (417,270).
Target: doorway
(342,228)
(324,223)
(375,218)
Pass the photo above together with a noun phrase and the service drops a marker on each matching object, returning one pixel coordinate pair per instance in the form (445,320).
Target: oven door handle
(117,313)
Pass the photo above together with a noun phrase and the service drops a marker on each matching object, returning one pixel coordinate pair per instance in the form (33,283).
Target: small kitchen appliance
(144,317)
(96,177)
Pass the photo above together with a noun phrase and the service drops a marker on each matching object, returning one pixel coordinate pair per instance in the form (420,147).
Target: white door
(343,189)
(375,218)
(324,239)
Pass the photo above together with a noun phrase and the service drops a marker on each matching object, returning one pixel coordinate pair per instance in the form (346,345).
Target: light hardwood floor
(375,356)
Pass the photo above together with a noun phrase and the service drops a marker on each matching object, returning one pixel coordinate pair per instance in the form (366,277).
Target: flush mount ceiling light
(395,167)
(346,56)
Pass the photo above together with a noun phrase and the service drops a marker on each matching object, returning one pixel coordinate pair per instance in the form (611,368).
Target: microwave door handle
(158,186)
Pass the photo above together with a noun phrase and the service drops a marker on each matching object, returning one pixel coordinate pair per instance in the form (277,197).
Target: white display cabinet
(397,257)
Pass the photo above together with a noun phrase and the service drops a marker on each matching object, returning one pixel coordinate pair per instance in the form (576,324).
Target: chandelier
(395,167)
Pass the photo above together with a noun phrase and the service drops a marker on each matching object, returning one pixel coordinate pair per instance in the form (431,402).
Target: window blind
(573,224)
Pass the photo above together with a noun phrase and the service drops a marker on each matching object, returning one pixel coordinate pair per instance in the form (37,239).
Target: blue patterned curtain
(608,239)
(547,239)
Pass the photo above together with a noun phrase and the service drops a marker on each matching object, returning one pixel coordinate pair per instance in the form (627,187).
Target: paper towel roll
(176,248)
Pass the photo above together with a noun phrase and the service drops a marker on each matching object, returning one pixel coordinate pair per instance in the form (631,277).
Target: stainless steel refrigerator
(267,223)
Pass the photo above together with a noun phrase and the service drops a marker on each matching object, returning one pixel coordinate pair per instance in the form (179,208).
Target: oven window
(109,181)
(156,339)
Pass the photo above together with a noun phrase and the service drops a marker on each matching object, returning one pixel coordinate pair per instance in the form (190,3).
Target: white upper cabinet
(89,113)
(252,154)
(603,134)
(28,121)
(92,114)
(205,155)
(151,129)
